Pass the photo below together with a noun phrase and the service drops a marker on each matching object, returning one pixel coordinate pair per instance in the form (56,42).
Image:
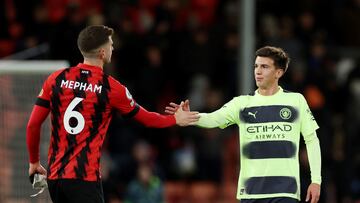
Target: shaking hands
(183,115)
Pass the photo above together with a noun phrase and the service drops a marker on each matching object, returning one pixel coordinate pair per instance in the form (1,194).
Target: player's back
(80,115)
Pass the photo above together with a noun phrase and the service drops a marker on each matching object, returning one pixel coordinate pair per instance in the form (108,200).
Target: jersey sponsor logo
(267,114)
(269,128)
(82,86)
(266,132)
(270,136)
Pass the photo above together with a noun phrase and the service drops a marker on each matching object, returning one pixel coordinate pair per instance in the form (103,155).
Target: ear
(101,53)
(279,73)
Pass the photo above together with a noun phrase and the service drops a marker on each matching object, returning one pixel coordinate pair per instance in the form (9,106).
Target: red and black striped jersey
(81,100)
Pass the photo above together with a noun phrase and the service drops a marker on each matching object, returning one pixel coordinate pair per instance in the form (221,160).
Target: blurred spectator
(152,75)
(209,143)
(349,16)
(158,40)
(62,45)
(184,161)
(352,120)
(197,55)
(200,84)
(146,188)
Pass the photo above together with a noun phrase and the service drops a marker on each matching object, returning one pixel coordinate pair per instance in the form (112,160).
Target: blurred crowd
(170,50)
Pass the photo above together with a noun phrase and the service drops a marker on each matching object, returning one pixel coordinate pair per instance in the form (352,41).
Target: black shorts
(271,200)
(75,191)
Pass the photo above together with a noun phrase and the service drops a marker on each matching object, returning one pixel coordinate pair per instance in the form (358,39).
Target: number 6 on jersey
(69,113)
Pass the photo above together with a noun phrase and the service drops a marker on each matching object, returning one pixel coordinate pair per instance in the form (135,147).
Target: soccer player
(270,121)
(81,100)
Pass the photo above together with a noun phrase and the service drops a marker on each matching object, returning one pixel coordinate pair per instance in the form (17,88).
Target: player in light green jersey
(270,122)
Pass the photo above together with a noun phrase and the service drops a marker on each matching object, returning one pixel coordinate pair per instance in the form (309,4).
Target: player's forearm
(37,117)
(153,119)
(209,120)
(314,156)
(33,142)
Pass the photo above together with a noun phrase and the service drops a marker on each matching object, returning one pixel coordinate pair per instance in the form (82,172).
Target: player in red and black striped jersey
(81,100)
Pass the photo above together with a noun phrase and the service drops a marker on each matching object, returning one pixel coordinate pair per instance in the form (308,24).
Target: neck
(94,62)
(268,91)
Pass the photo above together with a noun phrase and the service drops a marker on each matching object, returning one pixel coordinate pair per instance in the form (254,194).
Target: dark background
(170,50)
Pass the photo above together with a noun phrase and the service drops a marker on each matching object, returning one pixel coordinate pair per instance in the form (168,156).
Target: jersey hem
(261,196)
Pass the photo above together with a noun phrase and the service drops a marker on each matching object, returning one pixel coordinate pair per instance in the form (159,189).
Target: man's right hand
(36,168)
(173,107)
(184,117)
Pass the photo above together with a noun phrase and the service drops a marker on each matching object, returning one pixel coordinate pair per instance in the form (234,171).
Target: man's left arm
(37,117)
(308,130)
(314,157)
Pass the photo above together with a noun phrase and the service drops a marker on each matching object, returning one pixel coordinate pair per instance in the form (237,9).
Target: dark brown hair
(280,57)
(92,37)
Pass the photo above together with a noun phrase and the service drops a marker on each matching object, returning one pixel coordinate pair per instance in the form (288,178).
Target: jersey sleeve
(122,100)
(153,119)
(308,123)
(225,116)
(37,117)
(43,98)
(314,156)
(308,130)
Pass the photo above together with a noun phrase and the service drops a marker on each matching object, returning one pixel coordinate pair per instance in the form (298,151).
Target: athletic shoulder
(119,91)
(238,101)
(296,94)
(114,83)
(51,79)
(56,73)
(112,79)
(246,97)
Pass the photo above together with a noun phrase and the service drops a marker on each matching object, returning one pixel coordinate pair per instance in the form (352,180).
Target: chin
(261,86)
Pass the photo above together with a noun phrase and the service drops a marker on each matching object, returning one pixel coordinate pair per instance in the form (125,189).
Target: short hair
(280,57)
(92,37)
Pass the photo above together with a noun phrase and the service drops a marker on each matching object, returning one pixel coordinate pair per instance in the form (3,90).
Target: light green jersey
(269,129)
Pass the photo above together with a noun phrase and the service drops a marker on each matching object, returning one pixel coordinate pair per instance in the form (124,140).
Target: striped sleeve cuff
(42,102)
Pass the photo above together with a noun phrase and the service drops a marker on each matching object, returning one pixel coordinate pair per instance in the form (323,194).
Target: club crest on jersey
(82,86)
(285,113)
(129,96)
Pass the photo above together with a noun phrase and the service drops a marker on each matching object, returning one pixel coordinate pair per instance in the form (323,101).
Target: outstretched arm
(123,101)
(219,118)
(214,119)
(156,120)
